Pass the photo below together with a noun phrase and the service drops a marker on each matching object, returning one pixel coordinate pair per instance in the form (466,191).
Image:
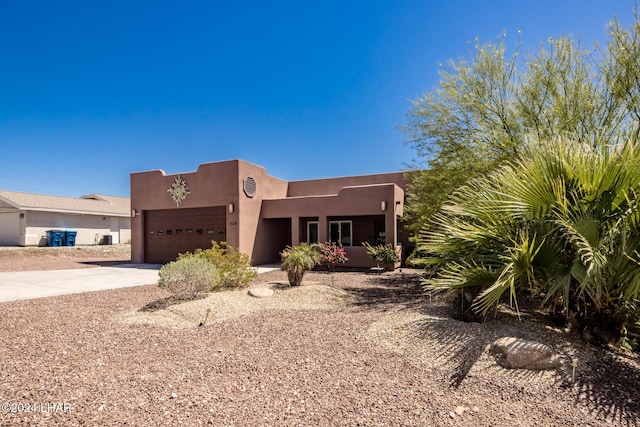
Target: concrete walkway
(267,268)
(21,285)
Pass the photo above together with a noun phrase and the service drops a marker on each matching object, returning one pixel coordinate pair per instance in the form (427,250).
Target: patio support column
(295,230)
(323,229)
(391,227)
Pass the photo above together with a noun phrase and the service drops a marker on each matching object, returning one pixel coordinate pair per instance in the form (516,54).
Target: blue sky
(91,91)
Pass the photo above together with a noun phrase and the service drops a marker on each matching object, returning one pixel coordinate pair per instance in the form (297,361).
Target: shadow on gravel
(609,386)
(462,351)
(390,291)
(163,303)
(405,291)
(462,344)
(105,263)
(282,286)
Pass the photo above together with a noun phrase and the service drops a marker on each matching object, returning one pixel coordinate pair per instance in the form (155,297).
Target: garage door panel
(174,231)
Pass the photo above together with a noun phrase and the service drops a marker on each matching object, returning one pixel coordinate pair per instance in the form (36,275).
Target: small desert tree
(484,107)
(297,260)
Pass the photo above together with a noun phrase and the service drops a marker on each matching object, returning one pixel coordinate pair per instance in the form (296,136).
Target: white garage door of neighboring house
(9,228)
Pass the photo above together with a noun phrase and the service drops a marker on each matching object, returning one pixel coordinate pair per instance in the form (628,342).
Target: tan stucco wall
(251,238)
(213,184)
(318,187)
(356,201)
(124,225)
(271,217)
(362,200)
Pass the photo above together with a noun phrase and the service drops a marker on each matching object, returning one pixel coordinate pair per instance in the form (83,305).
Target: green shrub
(189,276)
(234,266)
(382,254)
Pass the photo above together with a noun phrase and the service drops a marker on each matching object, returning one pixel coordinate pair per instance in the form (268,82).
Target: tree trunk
(295,278)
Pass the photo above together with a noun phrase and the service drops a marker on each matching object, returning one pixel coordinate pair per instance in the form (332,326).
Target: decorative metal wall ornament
(179,190)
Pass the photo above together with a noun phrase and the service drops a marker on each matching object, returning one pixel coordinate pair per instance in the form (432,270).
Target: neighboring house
(25,218)
(238,202)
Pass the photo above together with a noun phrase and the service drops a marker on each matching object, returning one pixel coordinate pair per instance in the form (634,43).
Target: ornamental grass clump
(189,277)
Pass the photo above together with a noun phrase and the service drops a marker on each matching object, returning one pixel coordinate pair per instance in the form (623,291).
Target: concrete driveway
(36,284)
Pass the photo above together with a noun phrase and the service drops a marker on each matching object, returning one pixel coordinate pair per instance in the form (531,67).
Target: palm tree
(297,260)
(563,220)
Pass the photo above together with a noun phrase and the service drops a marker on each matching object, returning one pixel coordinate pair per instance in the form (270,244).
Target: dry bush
(190,276)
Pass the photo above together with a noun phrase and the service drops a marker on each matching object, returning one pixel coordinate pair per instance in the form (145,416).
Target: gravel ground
(62,257)
(343,349)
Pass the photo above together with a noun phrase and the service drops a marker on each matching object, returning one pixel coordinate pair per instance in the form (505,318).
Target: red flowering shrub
(331,254)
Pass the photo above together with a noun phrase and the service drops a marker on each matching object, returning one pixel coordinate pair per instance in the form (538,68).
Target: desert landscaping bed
(342,349)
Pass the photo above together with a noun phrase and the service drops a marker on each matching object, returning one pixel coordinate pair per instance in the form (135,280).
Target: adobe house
(238,202)
(25,218)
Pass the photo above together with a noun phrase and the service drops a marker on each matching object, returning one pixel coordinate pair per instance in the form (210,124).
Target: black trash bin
(107,239)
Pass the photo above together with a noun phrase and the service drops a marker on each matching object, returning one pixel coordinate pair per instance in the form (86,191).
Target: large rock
(515,353)
(261,292)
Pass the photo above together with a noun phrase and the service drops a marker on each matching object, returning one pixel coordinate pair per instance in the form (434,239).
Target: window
(340,232)
(312,232)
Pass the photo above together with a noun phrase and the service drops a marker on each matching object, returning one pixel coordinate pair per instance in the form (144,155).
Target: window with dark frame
(312,232)
(340,232)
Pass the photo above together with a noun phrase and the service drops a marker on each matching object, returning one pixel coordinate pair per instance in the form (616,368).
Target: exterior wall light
(383,205)
(134,213)
(231,207)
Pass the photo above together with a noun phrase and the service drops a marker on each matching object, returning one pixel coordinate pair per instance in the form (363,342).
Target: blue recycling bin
(70,237)
(55,237)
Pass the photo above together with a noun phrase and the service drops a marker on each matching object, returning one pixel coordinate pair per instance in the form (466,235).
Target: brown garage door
(173,231)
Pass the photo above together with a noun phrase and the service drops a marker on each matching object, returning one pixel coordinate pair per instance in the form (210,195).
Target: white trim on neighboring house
(92,216)
(73,212)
